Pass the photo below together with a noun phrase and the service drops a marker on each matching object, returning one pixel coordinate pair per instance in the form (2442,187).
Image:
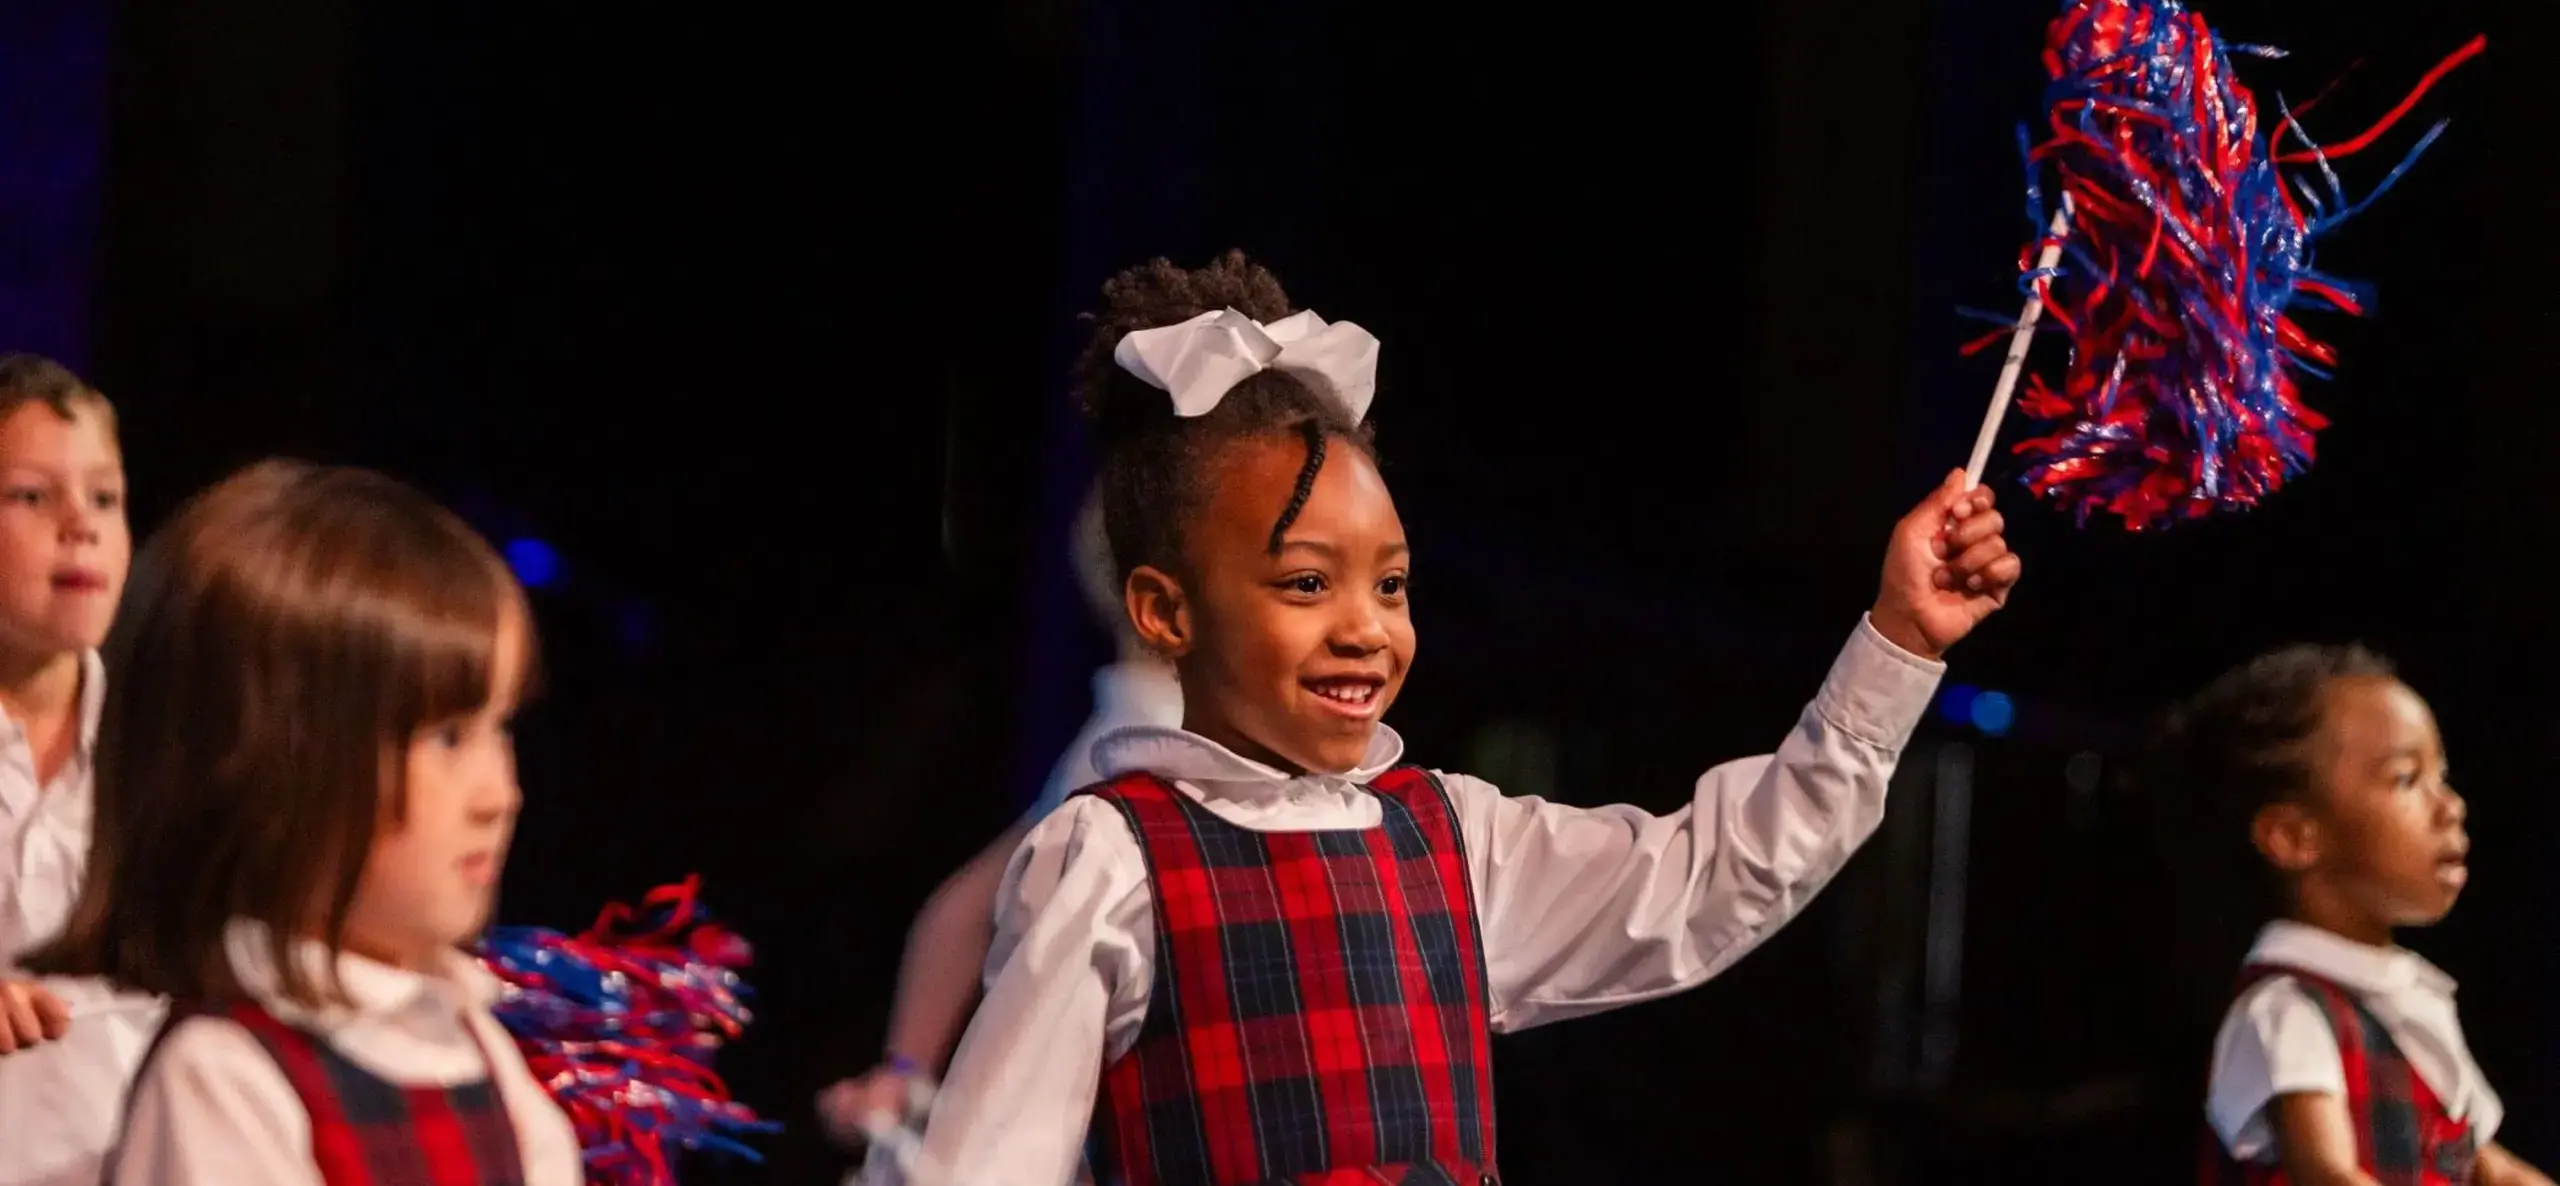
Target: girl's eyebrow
(1391,550)
(2397,754)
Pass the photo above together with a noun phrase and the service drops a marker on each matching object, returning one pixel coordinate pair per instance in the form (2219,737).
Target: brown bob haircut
(283,639)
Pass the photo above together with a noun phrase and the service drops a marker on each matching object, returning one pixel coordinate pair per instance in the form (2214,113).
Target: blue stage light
(1955,703)
(1993,714)
(535,563)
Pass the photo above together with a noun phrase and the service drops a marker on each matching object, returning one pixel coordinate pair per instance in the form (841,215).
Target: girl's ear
(1159,611)
(2288,836)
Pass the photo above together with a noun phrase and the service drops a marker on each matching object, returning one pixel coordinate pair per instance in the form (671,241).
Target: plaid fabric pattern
(1319,1013)
(369,1132)
(2403,1136)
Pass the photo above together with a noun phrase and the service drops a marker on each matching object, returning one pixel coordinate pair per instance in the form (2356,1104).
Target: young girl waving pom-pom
(1267,948)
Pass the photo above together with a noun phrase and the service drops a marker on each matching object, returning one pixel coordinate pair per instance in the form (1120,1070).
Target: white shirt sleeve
(2486,1112)
(1588,909)
(60,1102)
(211,1109)
(1066,991)
(2275,1041)
(39,879)
(1072,772)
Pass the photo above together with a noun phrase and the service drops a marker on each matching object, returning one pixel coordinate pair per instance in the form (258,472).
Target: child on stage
(1267,948)
(64,545)
(2341,1058)
(301,813)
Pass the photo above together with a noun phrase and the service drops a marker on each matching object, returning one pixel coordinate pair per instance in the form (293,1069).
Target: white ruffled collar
(1183,756)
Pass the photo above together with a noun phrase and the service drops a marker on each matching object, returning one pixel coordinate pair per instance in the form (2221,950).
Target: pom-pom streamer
(2187,254)
(621,1022)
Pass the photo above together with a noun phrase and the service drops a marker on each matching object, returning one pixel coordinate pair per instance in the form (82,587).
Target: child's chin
(467,922)
(2430,912)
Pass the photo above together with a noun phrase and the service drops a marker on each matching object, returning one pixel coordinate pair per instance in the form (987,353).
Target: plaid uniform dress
(1319,1013)
(366,1131)
(2403,1136)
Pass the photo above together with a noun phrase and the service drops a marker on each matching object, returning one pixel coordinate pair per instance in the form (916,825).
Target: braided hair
(1157,467)
(2240,744)
(2213,762)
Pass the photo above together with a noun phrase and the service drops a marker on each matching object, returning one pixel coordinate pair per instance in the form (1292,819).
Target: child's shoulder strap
(1148,802)
(302,1056)
(2353,1025)
(1416,788)
(246,1015)
(1427,804)
(1136,786)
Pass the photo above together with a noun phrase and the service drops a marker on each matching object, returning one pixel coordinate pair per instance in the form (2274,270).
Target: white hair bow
(1200,360)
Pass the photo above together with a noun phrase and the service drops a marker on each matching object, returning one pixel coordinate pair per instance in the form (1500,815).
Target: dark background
(757,316)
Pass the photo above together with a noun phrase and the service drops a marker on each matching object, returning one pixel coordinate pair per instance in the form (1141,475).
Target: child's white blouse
(44,825)
(2276,1039)
(1581,909)
(213,1108)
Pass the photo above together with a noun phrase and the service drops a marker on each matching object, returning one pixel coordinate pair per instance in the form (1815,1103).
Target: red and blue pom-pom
(620,1023)
(2187,253)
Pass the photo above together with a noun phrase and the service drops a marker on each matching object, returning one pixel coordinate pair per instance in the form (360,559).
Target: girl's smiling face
(1288,656)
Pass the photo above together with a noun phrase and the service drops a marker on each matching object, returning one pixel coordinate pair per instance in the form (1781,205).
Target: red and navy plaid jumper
(2403,1136)
(366,1131)
(1319,1014)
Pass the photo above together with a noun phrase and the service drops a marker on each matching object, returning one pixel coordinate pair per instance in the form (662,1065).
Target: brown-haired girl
(1265,946)
(301,814)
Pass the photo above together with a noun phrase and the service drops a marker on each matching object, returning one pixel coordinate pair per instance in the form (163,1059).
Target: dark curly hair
(2239,743)
(1156,466)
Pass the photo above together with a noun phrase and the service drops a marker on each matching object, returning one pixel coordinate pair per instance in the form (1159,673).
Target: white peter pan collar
(373,990)
(2364,968)
(1213,771)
